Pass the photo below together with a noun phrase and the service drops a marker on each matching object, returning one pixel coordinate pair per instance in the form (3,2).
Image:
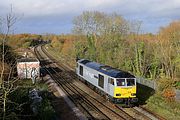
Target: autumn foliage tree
(112,40)
(169,48)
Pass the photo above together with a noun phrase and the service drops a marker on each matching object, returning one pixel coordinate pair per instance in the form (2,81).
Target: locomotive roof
(106,69)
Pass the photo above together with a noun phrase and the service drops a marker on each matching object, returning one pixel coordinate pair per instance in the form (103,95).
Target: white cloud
(66,9)
(62,7)
(49,7)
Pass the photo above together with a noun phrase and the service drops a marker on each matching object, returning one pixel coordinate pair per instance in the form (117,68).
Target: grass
(156,103)
(177,85)
(59,56)
(51,50)
(168,109)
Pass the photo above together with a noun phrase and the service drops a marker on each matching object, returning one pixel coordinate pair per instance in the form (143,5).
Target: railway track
(93,107)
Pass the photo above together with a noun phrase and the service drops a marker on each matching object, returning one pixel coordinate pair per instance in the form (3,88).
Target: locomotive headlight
(118,94)
(133,94)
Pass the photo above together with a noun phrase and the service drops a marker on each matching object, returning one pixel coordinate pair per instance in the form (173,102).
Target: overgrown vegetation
(114,41)
(14,102)
(24,40)
(168,109)
(19,103)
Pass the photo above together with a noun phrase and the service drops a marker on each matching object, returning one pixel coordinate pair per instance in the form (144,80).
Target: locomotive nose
(126,92)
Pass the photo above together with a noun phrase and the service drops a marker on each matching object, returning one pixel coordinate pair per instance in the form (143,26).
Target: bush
(164,83)
(18,105)
(169,94)
(46,111)
(177,84)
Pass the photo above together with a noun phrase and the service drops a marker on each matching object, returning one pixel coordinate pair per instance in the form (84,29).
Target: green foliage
(34,43)
(139,54)
(10,56)
(165,83)
(57,44)
(18,102)
(23,40)
(80,49)
(22,95)
(177,84)
(167,109)
(46,110)
(91,48)
(26,44)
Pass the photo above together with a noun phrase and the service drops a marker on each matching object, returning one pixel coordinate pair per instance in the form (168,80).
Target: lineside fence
(177,96)
(152,84)
(149,83)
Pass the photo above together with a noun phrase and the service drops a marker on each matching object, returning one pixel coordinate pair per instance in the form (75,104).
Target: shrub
(169,94)
(164,83)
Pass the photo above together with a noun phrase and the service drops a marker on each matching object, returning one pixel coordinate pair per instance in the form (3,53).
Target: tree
(89,23)
(169,47)
(91,48)
(6,85)
(99,23)
(103,32)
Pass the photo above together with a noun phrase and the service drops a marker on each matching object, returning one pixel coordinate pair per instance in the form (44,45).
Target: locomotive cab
(125,90)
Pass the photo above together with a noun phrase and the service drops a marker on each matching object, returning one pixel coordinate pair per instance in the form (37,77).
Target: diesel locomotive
(117,85)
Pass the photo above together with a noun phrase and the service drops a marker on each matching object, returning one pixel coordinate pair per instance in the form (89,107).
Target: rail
(79,94)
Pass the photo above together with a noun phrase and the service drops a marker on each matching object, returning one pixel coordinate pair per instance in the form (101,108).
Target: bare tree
(6,85)
(89,22)
(99,23)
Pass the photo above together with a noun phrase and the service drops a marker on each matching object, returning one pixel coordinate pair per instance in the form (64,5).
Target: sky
(55,16)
